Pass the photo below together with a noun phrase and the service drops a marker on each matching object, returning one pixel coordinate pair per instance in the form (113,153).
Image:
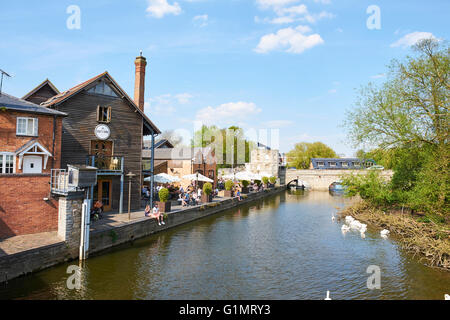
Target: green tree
(300,156)
(408,118)
(225,140)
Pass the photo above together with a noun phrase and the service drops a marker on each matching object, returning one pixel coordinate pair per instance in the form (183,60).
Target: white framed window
(344,164)
(27,126)
(7,162)
(332,164)
(320,164)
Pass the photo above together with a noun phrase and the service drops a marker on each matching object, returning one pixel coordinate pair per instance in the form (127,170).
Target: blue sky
(290,65)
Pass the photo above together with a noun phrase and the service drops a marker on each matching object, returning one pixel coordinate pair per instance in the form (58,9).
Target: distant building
(340,163)
(265,161)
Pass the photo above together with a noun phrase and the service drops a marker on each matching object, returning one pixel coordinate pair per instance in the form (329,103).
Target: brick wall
(10,142)
(22,208)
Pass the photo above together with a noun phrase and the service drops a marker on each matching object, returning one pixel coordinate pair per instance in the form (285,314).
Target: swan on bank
(345,228)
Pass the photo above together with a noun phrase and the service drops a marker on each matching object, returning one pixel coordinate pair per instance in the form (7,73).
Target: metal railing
(106,164)
(59,179)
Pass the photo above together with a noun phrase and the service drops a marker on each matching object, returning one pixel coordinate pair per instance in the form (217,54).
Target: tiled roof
(158,144)
(63,96)
(46,81)
(17,104)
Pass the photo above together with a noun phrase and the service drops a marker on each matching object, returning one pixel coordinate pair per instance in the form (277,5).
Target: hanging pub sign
(102,131)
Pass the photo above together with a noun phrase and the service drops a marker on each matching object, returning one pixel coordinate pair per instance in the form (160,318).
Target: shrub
(229,185)
(265,180)
(273,180)
(207,188)
(163,195)
(258,182)
(245,183)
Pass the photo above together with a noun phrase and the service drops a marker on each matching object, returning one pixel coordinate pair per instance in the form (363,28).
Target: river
(282,247)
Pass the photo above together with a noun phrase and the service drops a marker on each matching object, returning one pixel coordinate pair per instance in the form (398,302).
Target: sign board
(102,131)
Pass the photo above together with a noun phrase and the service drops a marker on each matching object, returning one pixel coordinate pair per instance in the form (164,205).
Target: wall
(126,135)
(10,142)
(321,179)
(22,208)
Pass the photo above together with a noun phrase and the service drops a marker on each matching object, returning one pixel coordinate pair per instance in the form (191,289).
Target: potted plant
(228,188)
(206,194)
(163,204)
(273,180)
(265,180)
(245,184)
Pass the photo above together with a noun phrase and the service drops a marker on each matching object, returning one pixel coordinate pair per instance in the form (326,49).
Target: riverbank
(106,236)
(429,241)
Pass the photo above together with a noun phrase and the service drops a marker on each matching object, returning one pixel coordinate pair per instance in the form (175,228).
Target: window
(7,163)
(103,88)
(344,164)
(27,126)
(104,114)
(356,164)
(320,163)
(332,164)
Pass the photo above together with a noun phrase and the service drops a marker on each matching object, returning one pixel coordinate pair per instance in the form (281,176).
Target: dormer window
(104,114)
(27,127)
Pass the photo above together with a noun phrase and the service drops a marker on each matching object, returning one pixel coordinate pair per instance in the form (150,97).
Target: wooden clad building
(105,128)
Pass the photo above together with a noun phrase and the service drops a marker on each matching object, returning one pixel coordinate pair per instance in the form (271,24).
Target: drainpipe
(152,167)
(121,186)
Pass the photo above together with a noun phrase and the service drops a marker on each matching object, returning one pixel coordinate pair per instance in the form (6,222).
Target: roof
(158,144)
(27,146)
(63,96)
(339,159)
(45,82)
(17,104)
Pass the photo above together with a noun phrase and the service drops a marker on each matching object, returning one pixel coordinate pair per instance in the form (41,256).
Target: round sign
(102,131)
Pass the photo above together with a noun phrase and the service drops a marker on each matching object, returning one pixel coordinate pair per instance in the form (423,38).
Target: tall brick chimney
(139,82)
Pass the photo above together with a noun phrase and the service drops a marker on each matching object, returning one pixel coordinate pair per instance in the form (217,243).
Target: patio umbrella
(246,175)
(229,176)
(163,178)
(197,177)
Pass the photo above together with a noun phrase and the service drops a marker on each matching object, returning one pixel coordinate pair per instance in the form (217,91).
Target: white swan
(332,218)
(447,297)
(384,233)
(349,219)
(355,224)
(345,228)
(328,296)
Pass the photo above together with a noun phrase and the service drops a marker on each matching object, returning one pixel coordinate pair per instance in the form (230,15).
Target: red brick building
(30,146)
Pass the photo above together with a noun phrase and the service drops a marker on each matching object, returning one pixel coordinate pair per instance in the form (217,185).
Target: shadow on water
(283,247)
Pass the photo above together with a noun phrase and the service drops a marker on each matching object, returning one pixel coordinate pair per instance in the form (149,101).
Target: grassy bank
(424,238)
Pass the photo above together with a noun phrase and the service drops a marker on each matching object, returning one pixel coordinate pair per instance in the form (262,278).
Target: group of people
(154,213)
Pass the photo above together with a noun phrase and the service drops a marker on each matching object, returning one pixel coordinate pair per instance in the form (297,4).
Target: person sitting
(147,211)
(97,210)
(180,198)
(155,215)
(186,199)
(194,199)
(238,194)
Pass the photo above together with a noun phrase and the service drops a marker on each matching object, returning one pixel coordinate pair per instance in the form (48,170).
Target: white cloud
(378,76)
(227,113)
(290,40)
(160,8)
(274,3)
(202,20)
(332,91)
(295,10)
(166,104)
(323,1)
(412,38)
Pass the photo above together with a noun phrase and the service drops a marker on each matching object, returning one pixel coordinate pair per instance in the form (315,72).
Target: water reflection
(283,247)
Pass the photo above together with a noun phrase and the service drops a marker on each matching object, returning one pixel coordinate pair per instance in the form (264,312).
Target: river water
(282,247)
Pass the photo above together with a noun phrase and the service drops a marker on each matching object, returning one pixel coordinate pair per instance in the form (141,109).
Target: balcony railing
(59,182)
(106,164)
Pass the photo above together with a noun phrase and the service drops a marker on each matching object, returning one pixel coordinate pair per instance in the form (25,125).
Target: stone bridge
(321,179)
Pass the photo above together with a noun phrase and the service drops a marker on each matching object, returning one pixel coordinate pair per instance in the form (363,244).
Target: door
(32,164)
(103,193)
(103,151)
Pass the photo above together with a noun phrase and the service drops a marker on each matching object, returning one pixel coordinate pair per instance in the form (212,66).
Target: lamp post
(130,175)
